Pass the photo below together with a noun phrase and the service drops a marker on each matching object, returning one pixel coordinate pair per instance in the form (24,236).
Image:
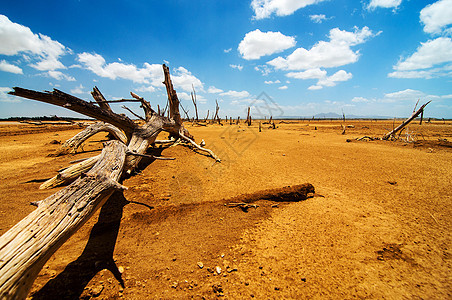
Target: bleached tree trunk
(26,247)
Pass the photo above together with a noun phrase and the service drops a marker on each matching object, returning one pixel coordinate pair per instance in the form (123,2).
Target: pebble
(218,269)
(200,265)
(121,269)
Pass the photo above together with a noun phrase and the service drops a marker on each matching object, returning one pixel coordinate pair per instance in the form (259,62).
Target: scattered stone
(96,291)
(230,270)
(121,269)
(218,270)
(217,289)
(222,255)
(55,142)
(200,265)
(174,285)
(392,182)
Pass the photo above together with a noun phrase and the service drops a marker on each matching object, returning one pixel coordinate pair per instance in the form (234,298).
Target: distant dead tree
(193,98)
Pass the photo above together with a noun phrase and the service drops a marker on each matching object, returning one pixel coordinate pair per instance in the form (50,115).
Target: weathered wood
(62,99)
(71,173)
(73,143)
(100,99)
(193,99)
(26,247)
(406,122)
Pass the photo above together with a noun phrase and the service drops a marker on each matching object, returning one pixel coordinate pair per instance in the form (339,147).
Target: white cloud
(148,88)
(318,18)
(238,67)
(151,74)
(78,90)
(265,8)
(214,90)
(96,63)
(184,79)
(332,80)
(227,50)
(235,94)
(18,39)
(436,16)
(272,82)
(433,53)
(407,94)
(7,67)
(384,4)
(360,100)
(4,97)
(264,69)
(308,74)
(315,87)
(59,75)
(321,75)
(284,87)
(256,44)
(334,53)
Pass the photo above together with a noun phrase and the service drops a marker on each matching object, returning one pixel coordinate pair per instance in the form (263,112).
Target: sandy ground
(378,227)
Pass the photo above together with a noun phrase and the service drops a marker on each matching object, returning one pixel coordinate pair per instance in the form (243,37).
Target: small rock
(121,269)
(200,265)
(222,255)
(97,290)
(174,285)
(55,142)
(218,270)
(231,270)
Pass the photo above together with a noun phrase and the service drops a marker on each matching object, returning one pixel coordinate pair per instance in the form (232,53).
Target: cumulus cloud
(256,44)
(227,50)
(433,53)
(97,64)
(265,8)
(18,39)
(184,79)
(318,18)
(238,67)
(384,4)
(214,90)
(308,74)
(79,90)
(59,75)
(272,82)
(236,94)
(284,87)
(4,97)
(321,76)
(7,67)
(264,69)
(326,54)
(436,16)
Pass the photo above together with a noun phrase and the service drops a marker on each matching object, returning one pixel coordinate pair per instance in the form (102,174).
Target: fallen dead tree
(392,134)
(293,193)
(26,247)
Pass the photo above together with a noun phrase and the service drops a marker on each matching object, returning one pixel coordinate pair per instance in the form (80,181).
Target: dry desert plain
(377,227)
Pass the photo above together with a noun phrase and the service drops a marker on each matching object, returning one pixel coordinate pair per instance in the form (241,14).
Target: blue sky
(281,57)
